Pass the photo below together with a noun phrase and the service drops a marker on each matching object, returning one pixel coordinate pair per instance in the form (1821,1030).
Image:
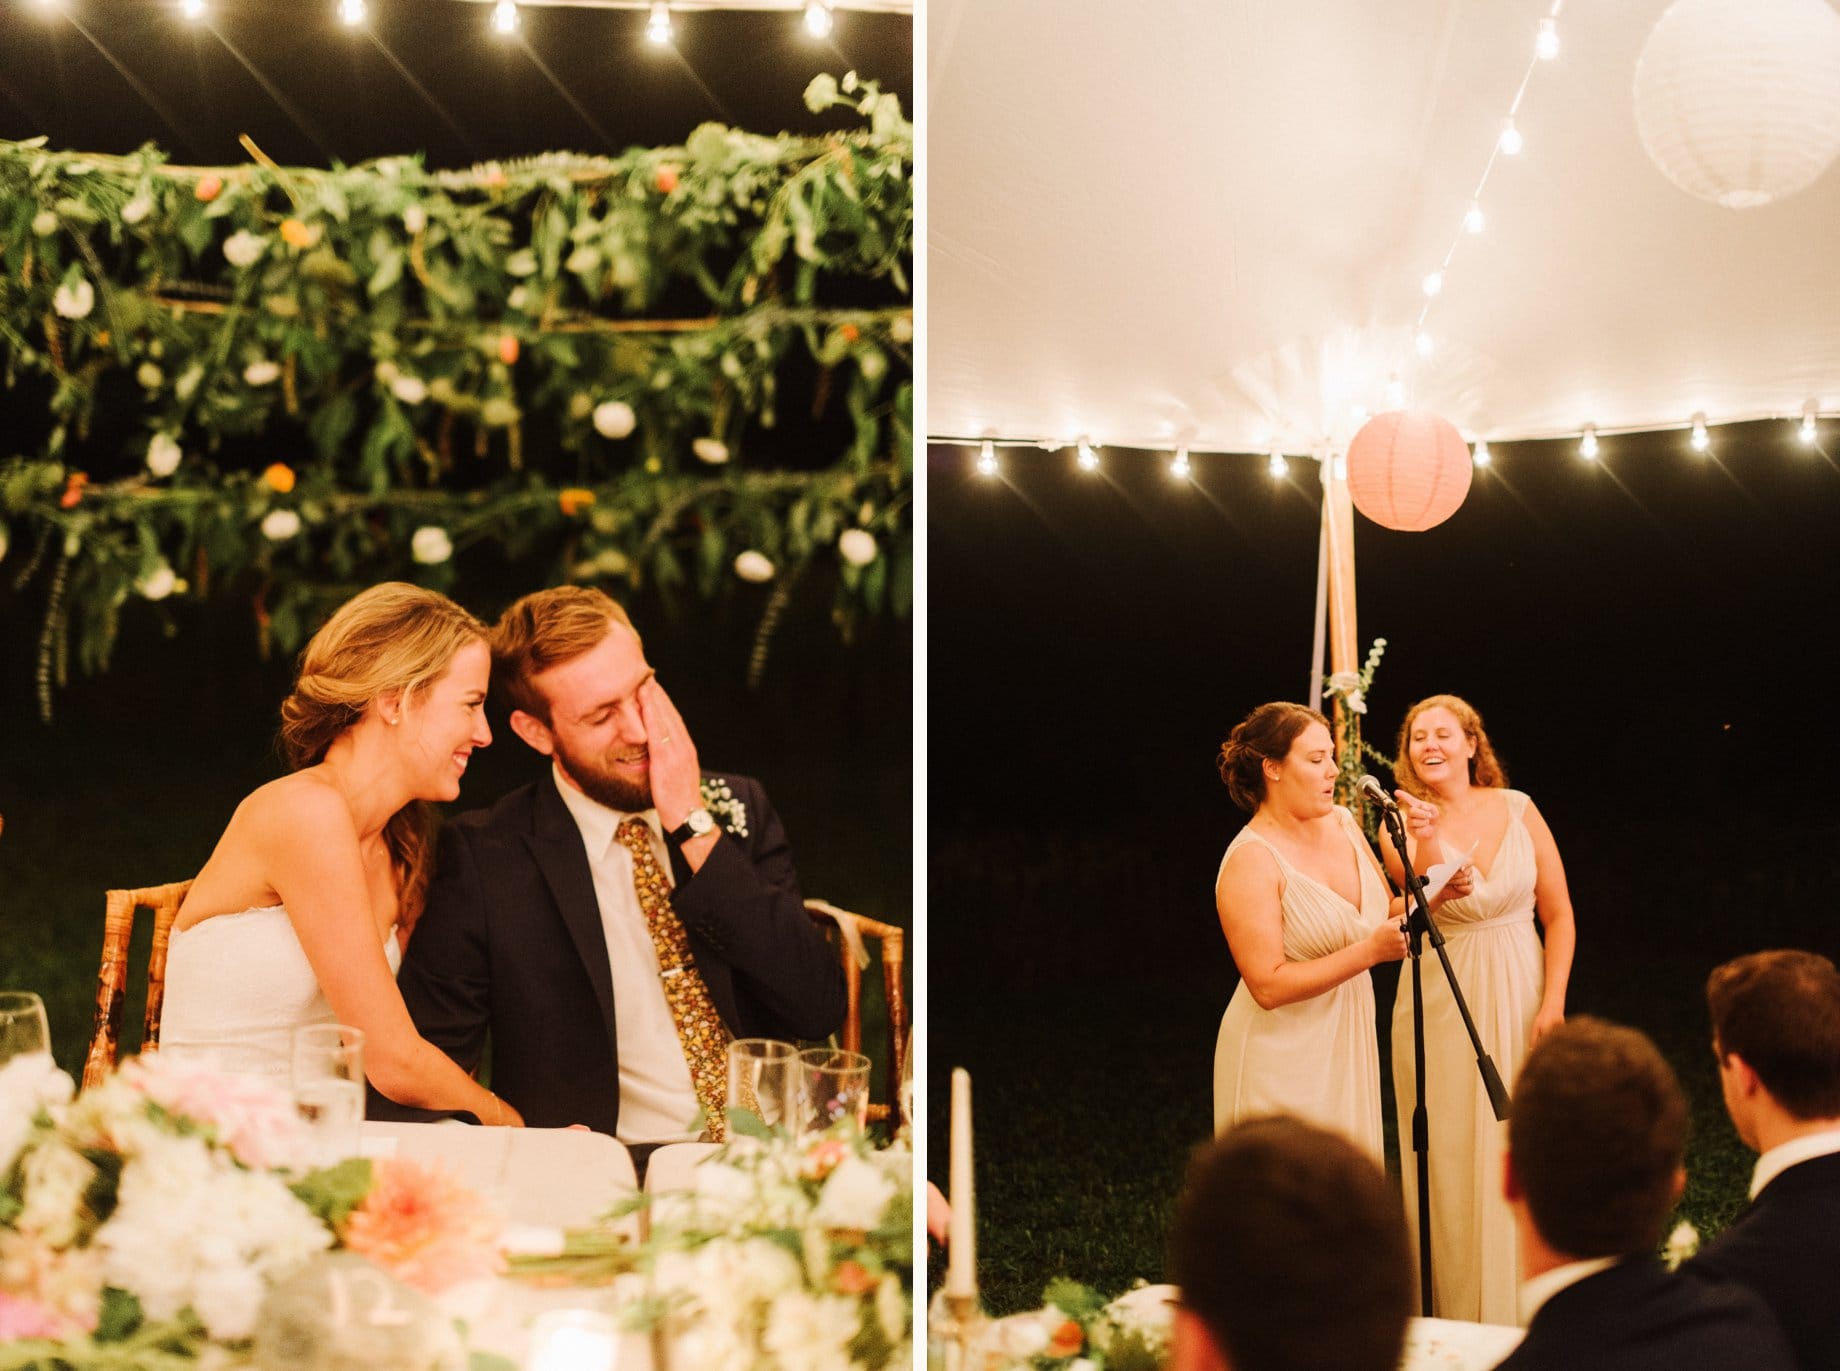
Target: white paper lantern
(1738,101)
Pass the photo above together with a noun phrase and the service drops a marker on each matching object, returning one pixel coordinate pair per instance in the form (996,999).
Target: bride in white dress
(1513,983)
(299,915)
(1306,914)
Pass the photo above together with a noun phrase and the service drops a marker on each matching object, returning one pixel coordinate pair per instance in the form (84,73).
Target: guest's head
(1776,1031)
(1289,1248)
(1442,742)
(1281,753)
(1596,1140)
(572,666)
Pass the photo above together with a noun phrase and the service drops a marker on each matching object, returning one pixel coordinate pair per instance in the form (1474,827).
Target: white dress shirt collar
(599,822)
(1785,1155)
(1536,1290)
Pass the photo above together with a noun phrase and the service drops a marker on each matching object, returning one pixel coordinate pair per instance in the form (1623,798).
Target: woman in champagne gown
(1513,983)
(299,914)
(1306,914)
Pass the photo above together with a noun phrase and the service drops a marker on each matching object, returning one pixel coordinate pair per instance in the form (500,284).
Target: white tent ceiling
(1207,222)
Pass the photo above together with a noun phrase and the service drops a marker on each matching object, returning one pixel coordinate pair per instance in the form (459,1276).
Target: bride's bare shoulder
(302,802)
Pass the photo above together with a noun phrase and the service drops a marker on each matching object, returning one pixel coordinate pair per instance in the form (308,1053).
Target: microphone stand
(1419,926)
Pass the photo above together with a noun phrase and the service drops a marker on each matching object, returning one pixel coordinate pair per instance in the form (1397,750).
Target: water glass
(836,1087)
(23,1027)
(763,1078)
(329,1089)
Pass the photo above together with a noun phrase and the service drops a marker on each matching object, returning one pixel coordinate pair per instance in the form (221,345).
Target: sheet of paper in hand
(1439,875)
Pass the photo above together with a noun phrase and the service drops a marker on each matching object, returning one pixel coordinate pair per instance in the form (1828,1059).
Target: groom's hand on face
(676,778)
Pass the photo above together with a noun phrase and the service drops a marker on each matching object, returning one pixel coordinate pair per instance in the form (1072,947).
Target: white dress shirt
(1536,1290)
(1785,1155)
(657,1100)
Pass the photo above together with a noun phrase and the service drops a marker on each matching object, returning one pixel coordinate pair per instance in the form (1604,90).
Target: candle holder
(957,1334)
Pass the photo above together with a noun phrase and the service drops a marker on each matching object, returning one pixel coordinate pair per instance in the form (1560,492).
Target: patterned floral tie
(700,1029)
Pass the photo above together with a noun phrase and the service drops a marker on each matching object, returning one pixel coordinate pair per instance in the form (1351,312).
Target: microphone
(1376,792)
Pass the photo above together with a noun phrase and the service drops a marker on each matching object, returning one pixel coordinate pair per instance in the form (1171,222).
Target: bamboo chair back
(853,952)
(163,902)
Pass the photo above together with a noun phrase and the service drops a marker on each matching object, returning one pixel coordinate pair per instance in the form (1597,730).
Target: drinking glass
(23,1027)
(763,1078)
(836,1087)
(329,1089)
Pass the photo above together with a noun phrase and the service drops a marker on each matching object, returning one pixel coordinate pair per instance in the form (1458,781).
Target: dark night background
(137,776)
(1647,638)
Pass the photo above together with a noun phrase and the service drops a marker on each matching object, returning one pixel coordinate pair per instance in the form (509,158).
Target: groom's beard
(600,783)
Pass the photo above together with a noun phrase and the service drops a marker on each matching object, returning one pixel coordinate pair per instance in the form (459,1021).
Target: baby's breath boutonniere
(721,803)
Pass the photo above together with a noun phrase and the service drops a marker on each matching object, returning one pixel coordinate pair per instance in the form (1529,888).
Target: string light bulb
(1278,467)
(1474,221)
(658,23)
(818,18)
(1433,282)
(1546,46)
(1089,460)
(48,6)
(1807,430)
(1481,455)
(1178,465)
(987,459)
(1423,343)
(505,16)
(1510,142)
(1395,393)
(1587,445)
(194,10)
(1701,439)
(352,12)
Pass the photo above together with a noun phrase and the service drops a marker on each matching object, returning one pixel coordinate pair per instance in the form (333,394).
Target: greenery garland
(637,314)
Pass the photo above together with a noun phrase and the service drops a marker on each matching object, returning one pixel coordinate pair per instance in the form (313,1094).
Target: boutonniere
(721,803)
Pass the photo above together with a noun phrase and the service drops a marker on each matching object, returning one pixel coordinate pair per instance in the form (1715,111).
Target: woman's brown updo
(1265,735)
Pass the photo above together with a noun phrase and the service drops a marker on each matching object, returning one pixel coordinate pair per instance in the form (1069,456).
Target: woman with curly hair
(1513,982)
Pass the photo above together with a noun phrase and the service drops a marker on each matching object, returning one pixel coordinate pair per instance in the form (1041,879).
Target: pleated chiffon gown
(1495,950)
(1316,1058)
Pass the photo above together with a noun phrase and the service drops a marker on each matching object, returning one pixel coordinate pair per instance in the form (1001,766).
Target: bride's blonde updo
(1265,735)
(392,637)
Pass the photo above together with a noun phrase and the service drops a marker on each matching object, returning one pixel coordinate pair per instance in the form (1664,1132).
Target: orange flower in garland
(298,235)
(667,178)
(424,1227)
(1067,1340)
(208,187)
(73,489)
(279,478)
(574,500)
(507,348)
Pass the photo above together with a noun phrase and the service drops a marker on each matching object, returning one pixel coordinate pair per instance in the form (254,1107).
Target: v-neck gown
(1495,951)
(1316,1058)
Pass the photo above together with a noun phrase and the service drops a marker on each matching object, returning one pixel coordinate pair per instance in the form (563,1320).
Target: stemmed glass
(23,1026)
(763,1078)
(329,1088)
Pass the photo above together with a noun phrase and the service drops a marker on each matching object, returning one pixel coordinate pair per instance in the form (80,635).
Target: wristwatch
(696,823)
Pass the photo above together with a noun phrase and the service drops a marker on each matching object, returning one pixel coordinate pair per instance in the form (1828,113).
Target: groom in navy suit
(1776,1032)
(1595,1145)
(609,927)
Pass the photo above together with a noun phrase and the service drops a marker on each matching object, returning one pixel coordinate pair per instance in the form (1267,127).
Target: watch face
(699,822)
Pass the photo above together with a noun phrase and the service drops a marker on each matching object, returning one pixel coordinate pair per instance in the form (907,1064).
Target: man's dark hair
(1596,1138)
(1780,1012)
(1289,1244)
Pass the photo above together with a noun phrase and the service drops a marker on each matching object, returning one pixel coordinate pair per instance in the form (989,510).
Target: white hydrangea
(411,390)
(28,1083)
(149,375)
(44,223)
(811,1332)
(137,209)
(243,248)
(74,299)
(158,583)
(430,545)
(261,373)
(711,450)
(163,454)
(755,566)
(55,1176)
(857,546)
(614,419)
(854,1195)
(415,219)
(278,525)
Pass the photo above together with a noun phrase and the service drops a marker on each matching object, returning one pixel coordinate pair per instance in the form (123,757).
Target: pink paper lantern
(1408,470)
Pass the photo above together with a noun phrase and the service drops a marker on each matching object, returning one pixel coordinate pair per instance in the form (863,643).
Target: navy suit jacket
(510,947)
(1786,1247)
(1637,1316)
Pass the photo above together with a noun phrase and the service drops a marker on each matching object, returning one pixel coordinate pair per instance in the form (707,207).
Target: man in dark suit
(1290,1252)
(1776,1032)
(612,926)
(1595,1144)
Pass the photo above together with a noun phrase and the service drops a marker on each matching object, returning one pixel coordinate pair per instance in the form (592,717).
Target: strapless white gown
(237,986)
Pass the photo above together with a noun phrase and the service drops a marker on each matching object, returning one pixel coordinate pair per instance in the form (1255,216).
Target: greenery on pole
(557,361)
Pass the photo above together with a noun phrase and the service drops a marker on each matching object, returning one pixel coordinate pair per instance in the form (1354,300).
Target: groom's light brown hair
(545,629)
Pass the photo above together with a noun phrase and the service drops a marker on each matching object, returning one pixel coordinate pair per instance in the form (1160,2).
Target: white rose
(75,299)
(261,373)
(1022,1336)
(1343,681)
(901,328)
(854,1195)
(44,223)
(519,297)
(811,1331)
(158,583)
(149,375)
(614,419)
(411,390)
(163,454)
(430,545)
(242,248)
(415,219)
(137,209)
(1356,701)
(55,1178)
(278,525)
(711,450)
(755,566)
(387,372)
(857,546)
(28,1083)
